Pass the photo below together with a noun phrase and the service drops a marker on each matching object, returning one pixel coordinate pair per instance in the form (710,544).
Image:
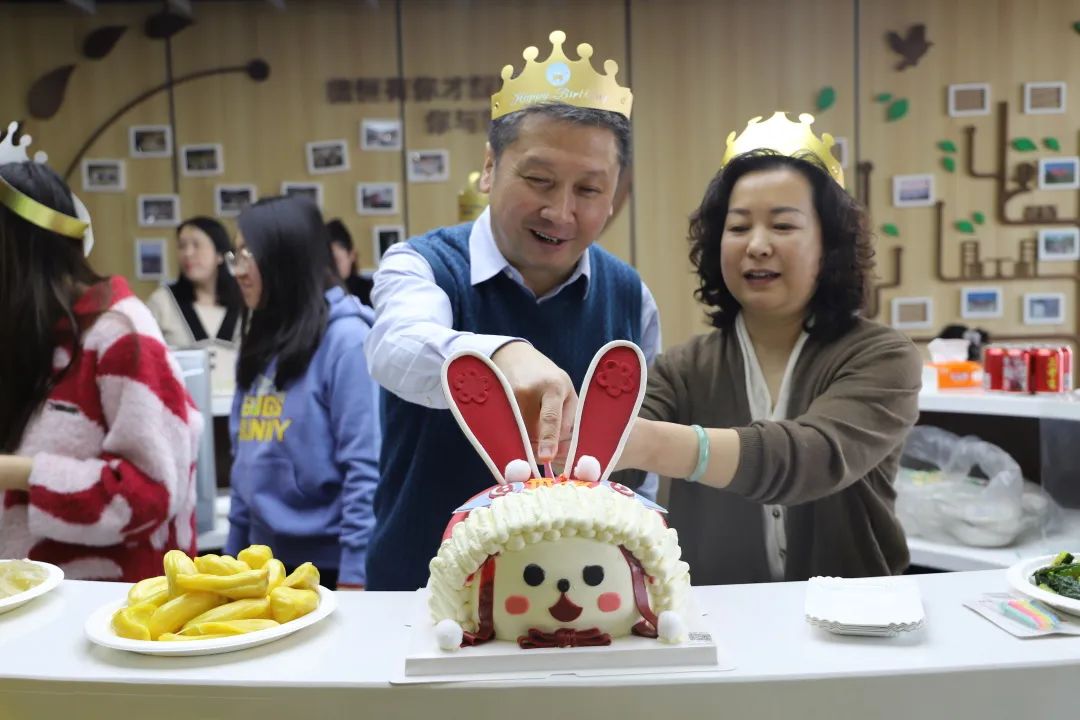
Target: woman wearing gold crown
(98,436)
(786,422)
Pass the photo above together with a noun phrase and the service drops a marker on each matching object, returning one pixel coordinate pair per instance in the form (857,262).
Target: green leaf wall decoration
(890,230)
(964,226)
(1051,143)
(1076,26)
(949,164)
(883,97)
(826,97)
(978,217)
(947,146)
(1023,144)
(897,109)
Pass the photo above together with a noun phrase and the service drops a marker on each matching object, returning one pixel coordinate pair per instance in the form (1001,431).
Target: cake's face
(571,583)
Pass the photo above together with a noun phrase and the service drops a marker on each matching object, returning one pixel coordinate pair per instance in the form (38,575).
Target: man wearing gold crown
(787,421)
(524,284)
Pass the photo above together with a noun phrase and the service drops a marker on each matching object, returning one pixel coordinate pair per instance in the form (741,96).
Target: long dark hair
(226,291)
(847,256)
(41,273)
(288,240)
(338,234)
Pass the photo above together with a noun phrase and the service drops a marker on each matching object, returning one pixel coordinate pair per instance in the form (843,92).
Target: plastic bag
(939,499)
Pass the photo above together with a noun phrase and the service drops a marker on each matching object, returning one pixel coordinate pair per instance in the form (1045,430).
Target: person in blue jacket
(305,420)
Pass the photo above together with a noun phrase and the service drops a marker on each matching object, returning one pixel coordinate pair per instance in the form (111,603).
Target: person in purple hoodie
(305,419)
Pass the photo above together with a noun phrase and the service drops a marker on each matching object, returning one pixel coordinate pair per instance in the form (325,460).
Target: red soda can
(993,368)
(1066,368)
(1016,370)
(1046,370)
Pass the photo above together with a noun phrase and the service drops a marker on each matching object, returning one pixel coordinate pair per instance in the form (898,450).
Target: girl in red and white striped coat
(98,436)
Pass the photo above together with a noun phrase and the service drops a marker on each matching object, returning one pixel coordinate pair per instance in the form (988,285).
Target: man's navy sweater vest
(427,466)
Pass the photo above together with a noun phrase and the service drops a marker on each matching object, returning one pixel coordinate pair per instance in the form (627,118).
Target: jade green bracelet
(702,454)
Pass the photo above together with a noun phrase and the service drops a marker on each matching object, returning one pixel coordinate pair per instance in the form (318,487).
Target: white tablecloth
(957,666)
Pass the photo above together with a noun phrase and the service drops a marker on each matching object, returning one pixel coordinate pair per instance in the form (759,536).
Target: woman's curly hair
(847,255)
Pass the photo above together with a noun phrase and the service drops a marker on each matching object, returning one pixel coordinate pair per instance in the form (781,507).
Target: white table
(1064,406)
(958,666)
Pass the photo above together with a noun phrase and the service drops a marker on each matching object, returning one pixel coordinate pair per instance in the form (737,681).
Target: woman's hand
(15,472)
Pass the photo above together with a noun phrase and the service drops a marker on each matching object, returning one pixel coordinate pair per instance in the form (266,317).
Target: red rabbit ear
(610,399)
(485,408)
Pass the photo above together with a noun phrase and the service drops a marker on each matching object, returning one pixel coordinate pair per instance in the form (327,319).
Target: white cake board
(425,662)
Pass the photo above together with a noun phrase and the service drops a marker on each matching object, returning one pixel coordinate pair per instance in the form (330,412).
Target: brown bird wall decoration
(911,47)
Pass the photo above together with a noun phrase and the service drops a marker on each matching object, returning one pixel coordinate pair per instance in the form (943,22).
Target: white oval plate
(99,629)
(1019,576)
(51,581)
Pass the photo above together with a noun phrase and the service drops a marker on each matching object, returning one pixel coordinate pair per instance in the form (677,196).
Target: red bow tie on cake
(563,637)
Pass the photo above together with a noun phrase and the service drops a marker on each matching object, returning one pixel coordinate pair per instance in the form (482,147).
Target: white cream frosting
(548,515)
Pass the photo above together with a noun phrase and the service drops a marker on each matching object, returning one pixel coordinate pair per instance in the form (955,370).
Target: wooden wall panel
(701,69)
(698,69)
(264,126)
(1004,43)
(36,39)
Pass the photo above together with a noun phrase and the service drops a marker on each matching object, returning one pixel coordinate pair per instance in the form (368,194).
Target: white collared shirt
(761,408)
(413,332)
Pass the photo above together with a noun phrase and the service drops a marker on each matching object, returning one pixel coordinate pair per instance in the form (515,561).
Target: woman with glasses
(98,436)
(304,424)
(203,307)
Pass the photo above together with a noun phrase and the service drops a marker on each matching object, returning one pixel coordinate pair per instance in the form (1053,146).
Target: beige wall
(700,68)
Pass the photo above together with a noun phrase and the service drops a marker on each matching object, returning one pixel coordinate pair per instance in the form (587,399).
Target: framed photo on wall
(103,175)
(230,200)
(150,259)
(158,210)
(913,190)
(1044,98)
(380,134)
(1061,173)
(981,302)
(912,313)
(327,156)
(382,237)
(429,166)
(967,99)
(202,160)
(377,198)
(150,141)
(1059,244)
(1044,308)
(311,191)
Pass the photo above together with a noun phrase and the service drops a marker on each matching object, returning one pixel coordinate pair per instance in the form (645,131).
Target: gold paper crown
(560,79)
(787,138)
(25,206)
(471,202)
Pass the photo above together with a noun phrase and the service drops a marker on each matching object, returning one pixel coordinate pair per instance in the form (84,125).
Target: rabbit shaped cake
(555,561)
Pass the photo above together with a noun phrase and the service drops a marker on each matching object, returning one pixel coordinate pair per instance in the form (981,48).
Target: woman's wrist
(635,452)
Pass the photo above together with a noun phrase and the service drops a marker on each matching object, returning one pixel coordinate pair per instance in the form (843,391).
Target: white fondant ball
(670,627)
(448,634)
(587,469)
(517,471)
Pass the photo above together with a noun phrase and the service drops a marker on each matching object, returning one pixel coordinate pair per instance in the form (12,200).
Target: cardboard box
(958,375)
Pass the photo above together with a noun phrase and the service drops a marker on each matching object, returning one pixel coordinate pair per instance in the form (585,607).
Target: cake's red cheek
(609,602)
(517,604)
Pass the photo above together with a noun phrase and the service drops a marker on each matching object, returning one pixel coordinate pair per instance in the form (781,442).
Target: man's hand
(545,395)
